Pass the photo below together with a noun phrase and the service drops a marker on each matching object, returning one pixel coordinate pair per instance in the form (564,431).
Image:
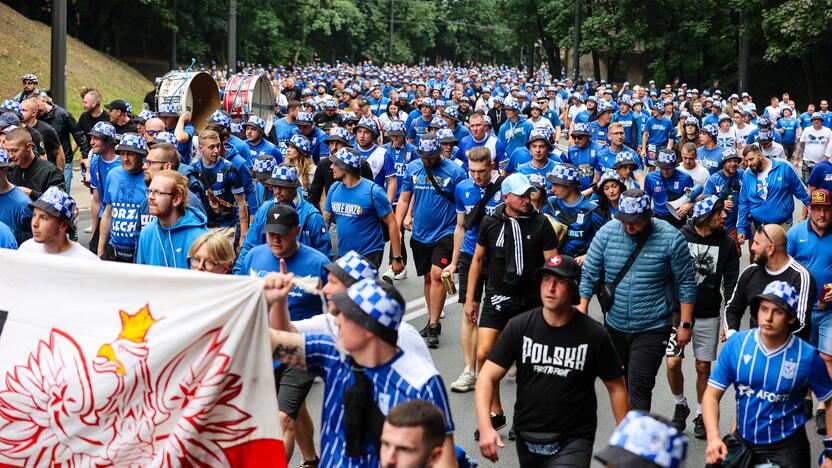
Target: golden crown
(134,327)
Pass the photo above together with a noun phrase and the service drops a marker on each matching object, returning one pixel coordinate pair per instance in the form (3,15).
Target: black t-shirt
(51,142)
(538,236)
(37,141)
(129,127)
(86,121)
(556,371)
(150,100)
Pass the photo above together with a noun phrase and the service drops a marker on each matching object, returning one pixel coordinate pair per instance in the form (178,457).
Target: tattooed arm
(288,348)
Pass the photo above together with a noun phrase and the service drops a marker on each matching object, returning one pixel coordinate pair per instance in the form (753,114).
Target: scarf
(511,239)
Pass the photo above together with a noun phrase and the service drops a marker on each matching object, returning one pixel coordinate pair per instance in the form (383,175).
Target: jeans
(642,354)
(68,176)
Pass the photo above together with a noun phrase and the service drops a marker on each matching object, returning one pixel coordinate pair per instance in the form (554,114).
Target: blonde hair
(305,167)
(209,135)
(480,154)
(218,246)
(180,187)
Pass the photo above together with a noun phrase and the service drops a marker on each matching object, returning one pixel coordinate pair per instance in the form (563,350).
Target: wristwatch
(687,325)
(398,258)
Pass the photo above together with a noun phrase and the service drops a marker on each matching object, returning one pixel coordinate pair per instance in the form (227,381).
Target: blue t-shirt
(805,119)
(770,385)
(306,261)
(125,193)
(241,148)
(710,159)
(586,160)
(318,148)
(434,216)
(7,240)
(821,176)
(98,175)
(606,158)
(813,252)
(223,182)
(357,212)
(283,131)
(467,195)
(264,147)
(657,187)
(402,157)
(789,127)
(244,169)
(582,221)
(538,175)
(184,149)
(598,134)
(417,128)
(659,131)
(16,214)
(405,377)
(628,120)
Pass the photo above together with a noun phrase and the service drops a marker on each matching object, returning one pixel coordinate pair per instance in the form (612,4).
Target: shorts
(498,309)
(704,336)
(427,255)
(572,452)
(821,336)
(292,386)
(462,270)
(375,258)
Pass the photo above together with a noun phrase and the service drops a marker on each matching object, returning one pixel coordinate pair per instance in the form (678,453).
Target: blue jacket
(643,295)
(782,184)
(313,230)
(168,246)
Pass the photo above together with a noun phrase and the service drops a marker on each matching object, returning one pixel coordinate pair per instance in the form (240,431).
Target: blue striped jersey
(405,377)
(770,385)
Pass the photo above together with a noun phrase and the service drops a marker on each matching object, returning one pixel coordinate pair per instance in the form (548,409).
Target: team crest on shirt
(746,358)
(787,372)
(219,177)
(384,403)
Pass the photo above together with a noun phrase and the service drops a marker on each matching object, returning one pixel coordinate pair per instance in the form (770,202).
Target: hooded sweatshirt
(168,246)
(715,259)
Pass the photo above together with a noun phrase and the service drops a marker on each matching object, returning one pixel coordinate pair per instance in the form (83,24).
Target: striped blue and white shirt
(405,377)
(770,384)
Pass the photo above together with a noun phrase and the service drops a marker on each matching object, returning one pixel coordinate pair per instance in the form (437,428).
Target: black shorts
(375,258)
(292,386)
(498,309)
(462,270)
(427,255)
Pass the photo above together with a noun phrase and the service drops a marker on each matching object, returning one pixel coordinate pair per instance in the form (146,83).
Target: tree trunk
(596,65)
(811,81)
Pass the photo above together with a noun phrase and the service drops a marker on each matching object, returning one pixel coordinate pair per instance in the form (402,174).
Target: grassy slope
(85,66)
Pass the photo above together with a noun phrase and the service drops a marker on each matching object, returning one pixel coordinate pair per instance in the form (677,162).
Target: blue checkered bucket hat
(145,115)
(5,161)
(565,174)
(428,147)
(610,176)
(765,136)
(451,113)
(634,205)
(692,121)
(304,118)
(642,439)
(352,268)
(428,102)
(604,107)
(236,127)
(164,137)
(729,153)
(129,107)
(782,294)
(666,158)
(580,129)
(368,123)
(625,158)
(396,127)
(57,203)
(263,166)
(301,143)
(339,134)
(257,123)
(9,105)
(368,305)
(105,131)
(350,117)
(220,117)
(711,130)
(132,142)
(446,135)
(347,160)
(284,175)
(438,122)
(166,110)
(704,207)
(539,134)
(513,105)
(330,104)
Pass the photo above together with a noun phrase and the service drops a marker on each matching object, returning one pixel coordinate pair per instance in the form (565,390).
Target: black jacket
(39,176)
(497,116)
(715,261)
(64,124)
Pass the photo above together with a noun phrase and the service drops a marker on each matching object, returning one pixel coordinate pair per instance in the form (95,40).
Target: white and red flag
(105,364)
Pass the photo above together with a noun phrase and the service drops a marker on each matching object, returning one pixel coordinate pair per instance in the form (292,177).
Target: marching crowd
(532,194)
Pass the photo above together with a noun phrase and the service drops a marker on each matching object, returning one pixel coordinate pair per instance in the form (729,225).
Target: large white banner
(105,364)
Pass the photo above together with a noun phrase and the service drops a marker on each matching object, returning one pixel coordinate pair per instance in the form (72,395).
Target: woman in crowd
(211,252)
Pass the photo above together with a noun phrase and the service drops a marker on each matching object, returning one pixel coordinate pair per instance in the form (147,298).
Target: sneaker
(511,434)
(699,427)
(442,314)
(88,230)
(432,340)
(680,416)
(465,383)
(388,275)
(497,420)
(424,331)
(820,421)
(402,275)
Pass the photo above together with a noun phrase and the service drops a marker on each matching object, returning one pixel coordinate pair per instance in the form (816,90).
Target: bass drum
(194,92)
(247,95)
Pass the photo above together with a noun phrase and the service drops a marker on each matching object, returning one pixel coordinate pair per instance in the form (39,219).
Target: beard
(761,258)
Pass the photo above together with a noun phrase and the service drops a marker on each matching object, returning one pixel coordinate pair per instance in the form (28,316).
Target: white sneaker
(88,229)
(402,275)
(442,315)
(465,383)
(388,275)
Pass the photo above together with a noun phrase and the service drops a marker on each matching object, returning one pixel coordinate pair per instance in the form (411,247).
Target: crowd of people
(532,194)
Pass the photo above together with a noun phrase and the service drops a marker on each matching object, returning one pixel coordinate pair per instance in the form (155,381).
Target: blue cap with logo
(373,308)
(643,440)
(352,268)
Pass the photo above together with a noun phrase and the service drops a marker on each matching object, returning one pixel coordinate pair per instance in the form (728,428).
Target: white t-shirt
(699,174)
(815,143)
(742,133)
(76,251)
(774,151)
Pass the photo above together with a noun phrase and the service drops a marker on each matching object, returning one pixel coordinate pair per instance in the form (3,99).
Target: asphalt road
(448,359)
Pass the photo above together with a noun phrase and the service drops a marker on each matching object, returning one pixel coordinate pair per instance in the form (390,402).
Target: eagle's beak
(107,353)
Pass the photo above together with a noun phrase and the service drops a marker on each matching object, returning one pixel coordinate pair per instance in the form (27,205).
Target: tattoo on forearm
(290,355)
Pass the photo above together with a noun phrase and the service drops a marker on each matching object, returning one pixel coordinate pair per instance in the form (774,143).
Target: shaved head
(777,235)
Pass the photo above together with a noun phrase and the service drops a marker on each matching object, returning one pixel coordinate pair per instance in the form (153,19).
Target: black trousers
(403,248)
(642,354)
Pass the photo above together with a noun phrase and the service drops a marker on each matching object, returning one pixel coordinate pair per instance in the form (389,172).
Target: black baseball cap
(118,104)
(281,219)
(564,267)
